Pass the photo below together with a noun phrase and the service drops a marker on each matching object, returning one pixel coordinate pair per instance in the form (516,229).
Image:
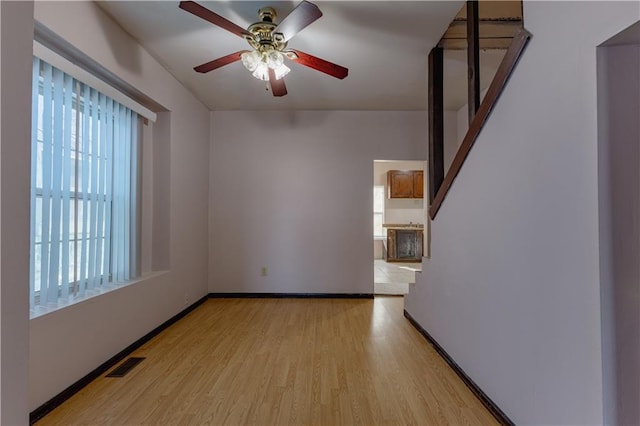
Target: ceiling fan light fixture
(258,63)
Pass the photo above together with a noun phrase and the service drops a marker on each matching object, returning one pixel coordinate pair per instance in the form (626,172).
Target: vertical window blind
(83,188)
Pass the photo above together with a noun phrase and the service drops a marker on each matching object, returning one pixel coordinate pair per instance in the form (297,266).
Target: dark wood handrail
(520,40)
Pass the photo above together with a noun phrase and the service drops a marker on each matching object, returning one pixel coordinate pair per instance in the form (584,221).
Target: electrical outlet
(264,271)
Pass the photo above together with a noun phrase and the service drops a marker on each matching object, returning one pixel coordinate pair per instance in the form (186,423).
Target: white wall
(67,344)
(452,137)
(398,210)
(462,122)
(619,179)
(456,124)
(291,191)
(16,32)
(512,287)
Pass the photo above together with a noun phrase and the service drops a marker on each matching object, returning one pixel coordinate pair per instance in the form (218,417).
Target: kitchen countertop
(416,226)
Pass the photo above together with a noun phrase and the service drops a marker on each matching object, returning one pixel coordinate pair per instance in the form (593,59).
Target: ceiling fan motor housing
(264,38)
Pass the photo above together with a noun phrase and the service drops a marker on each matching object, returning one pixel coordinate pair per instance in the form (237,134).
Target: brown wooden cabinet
(405,184)
(418,184)
(404,245)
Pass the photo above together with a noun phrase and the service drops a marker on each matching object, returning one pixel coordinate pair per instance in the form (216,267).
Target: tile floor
(394,278)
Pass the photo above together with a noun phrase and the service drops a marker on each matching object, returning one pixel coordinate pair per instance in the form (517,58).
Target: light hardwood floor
(284,362)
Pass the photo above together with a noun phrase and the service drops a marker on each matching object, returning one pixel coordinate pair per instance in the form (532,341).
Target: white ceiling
(383,43)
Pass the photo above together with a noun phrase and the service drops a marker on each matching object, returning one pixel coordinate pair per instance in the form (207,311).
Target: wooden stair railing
(439,183)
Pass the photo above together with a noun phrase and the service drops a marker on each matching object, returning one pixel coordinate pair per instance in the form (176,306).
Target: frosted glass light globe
(261,72)
(281,71)
(251,60)
(275,59)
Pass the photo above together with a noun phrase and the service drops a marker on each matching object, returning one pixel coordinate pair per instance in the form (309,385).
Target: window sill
(42,310)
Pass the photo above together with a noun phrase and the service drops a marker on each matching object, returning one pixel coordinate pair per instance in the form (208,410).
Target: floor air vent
(124,368)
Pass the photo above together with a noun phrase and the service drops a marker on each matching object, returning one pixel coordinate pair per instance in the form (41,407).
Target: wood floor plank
(282,362)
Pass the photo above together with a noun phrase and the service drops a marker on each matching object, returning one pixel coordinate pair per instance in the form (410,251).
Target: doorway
(394,265)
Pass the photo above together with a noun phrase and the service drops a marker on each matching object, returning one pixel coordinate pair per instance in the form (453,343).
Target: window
(83,188)
(378,211)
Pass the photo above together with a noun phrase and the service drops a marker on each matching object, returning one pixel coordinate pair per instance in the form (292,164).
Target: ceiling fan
(268,41)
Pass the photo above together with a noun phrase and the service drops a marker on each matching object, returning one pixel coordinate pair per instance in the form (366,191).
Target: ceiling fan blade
(214,18)
(220,62)
(303,15)
(277,86)
(316,63)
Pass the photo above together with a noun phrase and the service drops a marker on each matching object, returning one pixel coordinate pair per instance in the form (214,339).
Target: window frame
(81,144)
(381,189)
